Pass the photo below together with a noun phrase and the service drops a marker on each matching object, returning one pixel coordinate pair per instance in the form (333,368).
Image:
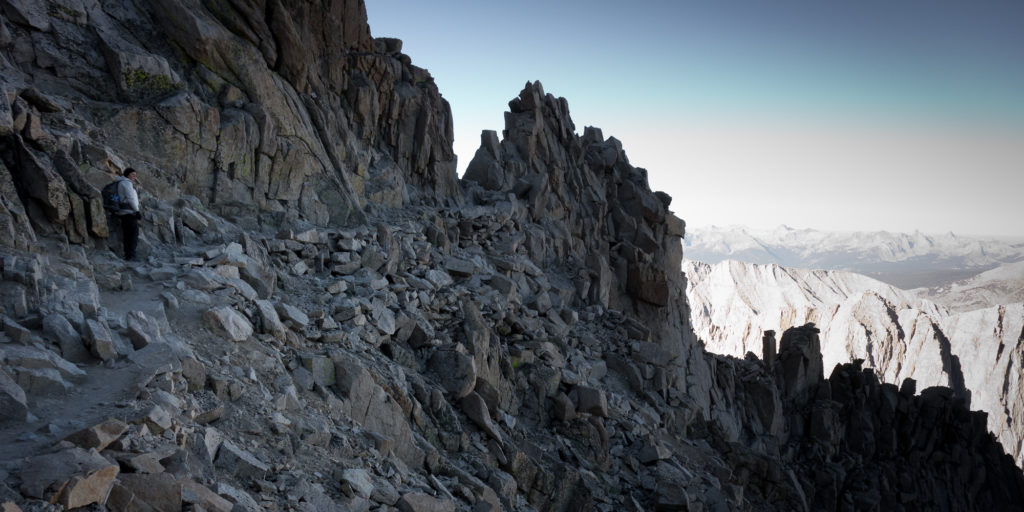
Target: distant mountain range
(906,260)
(1001,285)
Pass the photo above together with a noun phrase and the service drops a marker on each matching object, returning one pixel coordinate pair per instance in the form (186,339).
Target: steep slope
(350,327)
(894,332)
(906,260)
(989,344)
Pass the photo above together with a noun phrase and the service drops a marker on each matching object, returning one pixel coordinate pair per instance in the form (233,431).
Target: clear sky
(866,115)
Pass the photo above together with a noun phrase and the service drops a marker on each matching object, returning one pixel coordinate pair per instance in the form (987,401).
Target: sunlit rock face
(895,332)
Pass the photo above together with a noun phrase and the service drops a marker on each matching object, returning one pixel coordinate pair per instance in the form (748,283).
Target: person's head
(130,174)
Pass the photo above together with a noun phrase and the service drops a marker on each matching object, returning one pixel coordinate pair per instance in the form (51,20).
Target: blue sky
(869,115)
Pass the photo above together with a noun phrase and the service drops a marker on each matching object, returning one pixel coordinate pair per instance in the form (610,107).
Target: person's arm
(132,198)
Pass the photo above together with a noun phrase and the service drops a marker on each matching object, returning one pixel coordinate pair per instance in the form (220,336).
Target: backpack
(112,196)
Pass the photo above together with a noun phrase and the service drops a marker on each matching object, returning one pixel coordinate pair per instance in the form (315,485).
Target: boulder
(71,478)
(475,407)
(99,340)
(296,316)
(226,321)
(142,492)
(142,330)
(16,332)
(199,495)
(592,401)
(456,370)
(270,321)
(421,502)
(12,399)
(57,327)
(98,436)
(30,357)
(359,481)
(240,463)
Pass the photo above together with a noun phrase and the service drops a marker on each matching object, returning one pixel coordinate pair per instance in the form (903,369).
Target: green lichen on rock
(142,84)
(63,12)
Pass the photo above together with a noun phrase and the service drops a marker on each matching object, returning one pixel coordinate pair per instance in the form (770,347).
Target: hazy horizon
(763,229)
(856,117)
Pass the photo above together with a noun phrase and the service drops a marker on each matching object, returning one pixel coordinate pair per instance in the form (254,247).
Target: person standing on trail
(129,214)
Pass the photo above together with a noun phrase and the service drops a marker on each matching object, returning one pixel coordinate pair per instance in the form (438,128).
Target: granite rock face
(326,318)
(267,111)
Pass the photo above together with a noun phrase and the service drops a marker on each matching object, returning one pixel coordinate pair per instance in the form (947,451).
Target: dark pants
(130,234)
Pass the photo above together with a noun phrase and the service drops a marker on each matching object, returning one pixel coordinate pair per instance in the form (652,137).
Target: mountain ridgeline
(327,318)
(906,260)
(900,335)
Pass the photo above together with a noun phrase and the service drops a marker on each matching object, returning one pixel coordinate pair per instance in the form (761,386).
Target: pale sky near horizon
(892,115)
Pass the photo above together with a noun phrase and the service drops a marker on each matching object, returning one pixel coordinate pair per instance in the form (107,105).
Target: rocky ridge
(327,318)
(896,332)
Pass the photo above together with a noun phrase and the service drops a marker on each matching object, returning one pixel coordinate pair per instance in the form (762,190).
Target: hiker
(129,213)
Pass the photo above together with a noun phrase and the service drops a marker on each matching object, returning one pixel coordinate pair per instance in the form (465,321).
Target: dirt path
(108,390)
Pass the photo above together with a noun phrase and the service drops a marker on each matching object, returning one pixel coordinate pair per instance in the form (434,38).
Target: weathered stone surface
(240,463)
(227,322)
(456,369)
(194,221)
(142,330)
(420,502)
(12,399)
(157,418)
(72,478)
(799,363)
(592,401)
(99,340)
(16,230)
(16,332)
(99,436)
(370,406)
(27,13)
(475,407)
(296,316)
(270,322)
(359,481)
(30,357)
(194,372)
(207,407)
(42,381)
(141,463)
(41,183)
(72,347)
(321,369)
(142,492)
(238,497)
(6,120)
(199,495)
